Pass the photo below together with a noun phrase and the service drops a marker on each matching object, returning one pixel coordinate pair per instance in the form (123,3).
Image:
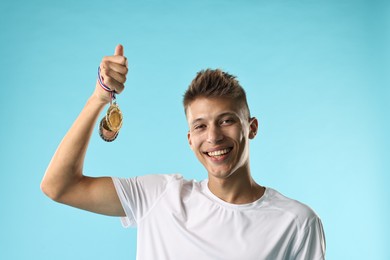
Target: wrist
(98,100)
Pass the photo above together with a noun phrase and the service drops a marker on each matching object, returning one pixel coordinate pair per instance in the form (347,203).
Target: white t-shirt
(182,219)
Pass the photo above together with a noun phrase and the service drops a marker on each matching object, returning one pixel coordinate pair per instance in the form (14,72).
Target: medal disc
(106,134)
(114,118)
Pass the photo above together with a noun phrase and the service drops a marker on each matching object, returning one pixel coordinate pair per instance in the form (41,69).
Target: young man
(227,216)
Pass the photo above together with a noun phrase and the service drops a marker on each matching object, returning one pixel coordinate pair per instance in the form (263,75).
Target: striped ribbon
(105,87)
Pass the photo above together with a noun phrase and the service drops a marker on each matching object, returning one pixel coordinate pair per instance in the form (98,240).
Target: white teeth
(219,152)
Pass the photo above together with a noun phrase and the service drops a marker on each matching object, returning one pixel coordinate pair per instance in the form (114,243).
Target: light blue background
(317,78)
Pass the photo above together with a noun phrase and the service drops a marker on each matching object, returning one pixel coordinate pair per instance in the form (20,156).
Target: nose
(214,135)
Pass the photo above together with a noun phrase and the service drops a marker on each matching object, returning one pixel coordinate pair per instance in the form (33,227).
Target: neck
(238,188)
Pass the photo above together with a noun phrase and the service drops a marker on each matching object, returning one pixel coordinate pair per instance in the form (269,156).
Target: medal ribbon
(105,87)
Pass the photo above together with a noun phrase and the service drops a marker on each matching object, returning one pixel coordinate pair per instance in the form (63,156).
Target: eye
(227,121)
(199,127)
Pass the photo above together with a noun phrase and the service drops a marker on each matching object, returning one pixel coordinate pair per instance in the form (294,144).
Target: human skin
(64,181)
(219,136)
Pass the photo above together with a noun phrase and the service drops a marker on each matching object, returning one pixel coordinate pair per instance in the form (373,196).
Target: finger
(119,50)
(116,59)
(121,78)
(114,66)
(113,80)
(114,85)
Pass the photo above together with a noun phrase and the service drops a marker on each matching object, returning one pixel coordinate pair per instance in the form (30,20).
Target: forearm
(66,166)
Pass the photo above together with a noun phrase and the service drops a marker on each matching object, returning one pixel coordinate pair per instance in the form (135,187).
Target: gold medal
(110,124)
(114,117)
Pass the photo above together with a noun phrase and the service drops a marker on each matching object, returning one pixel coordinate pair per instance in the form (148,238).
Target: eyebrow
(196,120)
(219,116)
(227,114)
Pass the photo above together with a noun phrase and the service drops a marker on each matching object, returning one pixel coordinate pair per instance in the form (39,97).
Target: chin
(220,174)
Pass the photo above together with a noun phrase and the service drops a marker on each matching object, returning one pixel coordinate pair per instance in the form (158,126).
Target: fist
(113,71)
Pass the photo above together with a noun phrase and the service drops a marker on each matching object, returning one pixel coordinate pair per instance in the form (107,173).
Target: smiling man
(226,216)
(220,129)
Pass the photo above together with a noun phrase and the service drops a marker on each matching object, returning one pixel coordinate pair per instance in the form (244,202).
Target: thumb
(119,50)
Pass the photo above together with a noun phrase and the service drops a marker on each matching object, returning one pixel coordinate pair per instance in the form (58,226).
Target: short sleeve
(138,195)
(312,244)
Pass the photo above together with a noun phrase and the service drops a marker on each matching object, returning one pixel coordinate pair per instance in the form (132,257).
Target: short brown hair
(212,83)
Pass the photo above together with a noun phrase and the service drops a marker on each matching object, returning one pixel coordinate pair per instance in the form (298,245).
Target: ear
(253,127)
(189,139)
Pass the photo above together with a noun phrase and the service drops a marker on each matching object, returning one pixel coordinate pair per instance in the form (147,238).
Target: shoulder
(300,212)
(153,182)
(150,179)
(310,237)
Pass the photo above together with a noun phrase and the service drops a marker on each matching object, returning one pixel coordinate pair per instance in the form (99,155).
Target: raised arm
(64,181)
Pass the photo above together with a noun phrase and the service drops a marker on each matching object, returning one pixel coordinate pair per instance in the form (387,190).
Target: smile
(219,152)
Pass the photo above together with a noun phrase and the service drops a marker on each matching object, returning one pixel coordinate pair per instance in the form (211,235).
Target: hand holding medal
(111,77)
